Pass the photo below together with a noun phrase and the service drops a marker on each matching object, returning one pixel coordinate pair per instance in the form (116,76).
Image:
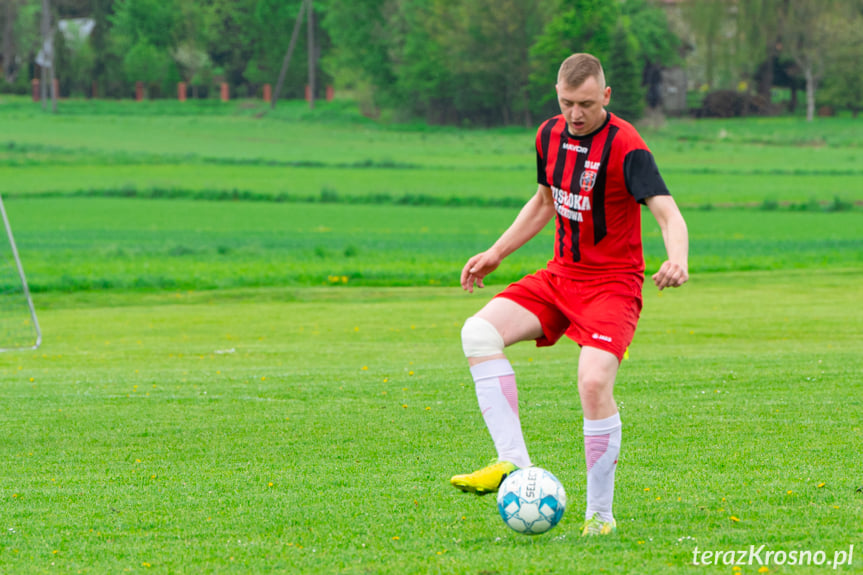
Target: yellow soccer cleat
(485,480)
(596,526)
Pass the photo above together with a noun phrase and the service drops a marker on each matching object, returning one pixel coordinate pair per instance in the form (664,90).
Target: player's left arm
(674,272)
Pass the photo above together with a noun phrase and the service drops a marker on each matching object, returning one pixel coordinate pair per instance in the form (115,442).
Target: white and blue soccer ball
(531,500)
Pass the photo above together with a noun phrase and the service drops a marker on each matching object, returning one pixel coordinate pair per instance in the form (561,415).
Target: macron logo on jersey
(574,148)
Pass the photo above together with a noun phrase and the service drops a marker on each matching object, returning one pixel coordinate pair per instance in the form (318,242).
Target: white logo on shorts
(602,337)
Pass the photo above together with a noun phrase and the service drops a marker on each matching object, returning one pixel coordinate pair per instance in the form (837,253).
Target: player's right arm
(532,218)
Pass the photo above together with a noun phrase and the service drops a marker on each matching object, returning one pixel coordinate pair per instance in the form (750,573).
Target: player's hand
(477,268)
(670,274)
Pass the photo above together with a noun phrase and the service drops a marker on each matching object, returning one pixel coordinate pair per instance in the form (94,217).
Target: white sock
(498,401)
(601,450)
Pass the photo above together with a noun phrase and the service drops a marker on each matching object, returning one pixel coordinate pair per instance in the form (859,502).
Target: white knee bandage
(479,338)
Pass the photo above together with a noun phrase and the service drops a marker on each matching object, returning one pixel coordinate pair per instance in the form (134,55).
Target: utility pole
(287,61)
(48,61)
(53,75)
(43,68)
(311,25)
(8,41)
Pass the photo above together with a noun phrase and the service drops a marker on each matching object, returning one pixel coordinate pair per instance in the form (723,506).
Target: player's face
(583,106)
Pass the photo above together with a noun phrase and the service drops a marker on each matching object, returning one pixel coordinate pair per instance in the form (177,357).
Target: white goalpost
(19,328)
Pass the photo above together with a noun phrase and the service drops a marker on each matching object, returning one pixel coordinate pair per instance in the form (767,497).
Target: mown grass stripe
(331,196)
(21,154)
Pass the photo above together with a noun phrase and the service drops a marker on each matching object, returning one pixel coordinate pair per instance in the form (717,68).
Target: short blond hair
(578,68)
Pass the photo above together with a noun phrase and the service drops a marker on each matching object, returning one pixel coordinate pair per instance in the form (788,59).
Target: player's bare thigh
(513,322)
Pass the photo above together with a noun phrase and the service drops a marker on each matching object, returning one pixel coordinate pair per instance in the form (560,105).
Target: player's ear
(606,96)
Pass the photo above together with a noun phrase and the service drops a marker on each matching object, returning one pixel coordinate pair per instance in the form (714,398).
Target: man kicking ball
(594,172)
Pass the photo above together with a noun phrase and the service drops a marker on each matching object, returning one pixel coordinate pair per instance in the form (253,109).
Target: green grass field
(324,440)
(251,385)
(92,243)
(722,162)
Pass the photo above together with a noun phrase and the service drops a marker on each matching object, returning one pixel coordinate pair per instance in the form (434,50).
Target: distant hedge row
(331,196)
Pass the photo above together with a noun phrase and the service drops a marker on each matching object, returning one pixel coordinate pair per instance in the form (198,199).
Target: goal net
(19,328)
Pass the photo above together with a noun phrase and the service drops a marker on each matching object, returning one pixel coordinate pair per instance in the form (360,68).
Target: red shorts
(601,313)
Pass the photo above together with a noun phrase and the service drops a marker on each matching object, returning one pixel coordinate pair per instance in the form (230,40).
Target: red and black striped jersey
(598,182)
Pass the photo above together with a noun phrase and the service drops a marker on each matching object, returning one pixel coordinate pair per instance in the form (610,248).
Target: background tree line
(158,42)
(477,62)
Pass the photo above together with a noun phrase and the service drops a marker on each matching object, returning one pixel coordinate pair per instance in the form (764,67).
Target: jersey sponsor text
(570,205)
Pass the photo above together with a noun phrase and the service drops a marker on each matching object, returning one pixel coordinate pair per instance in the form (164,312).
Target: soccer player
(594,172)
